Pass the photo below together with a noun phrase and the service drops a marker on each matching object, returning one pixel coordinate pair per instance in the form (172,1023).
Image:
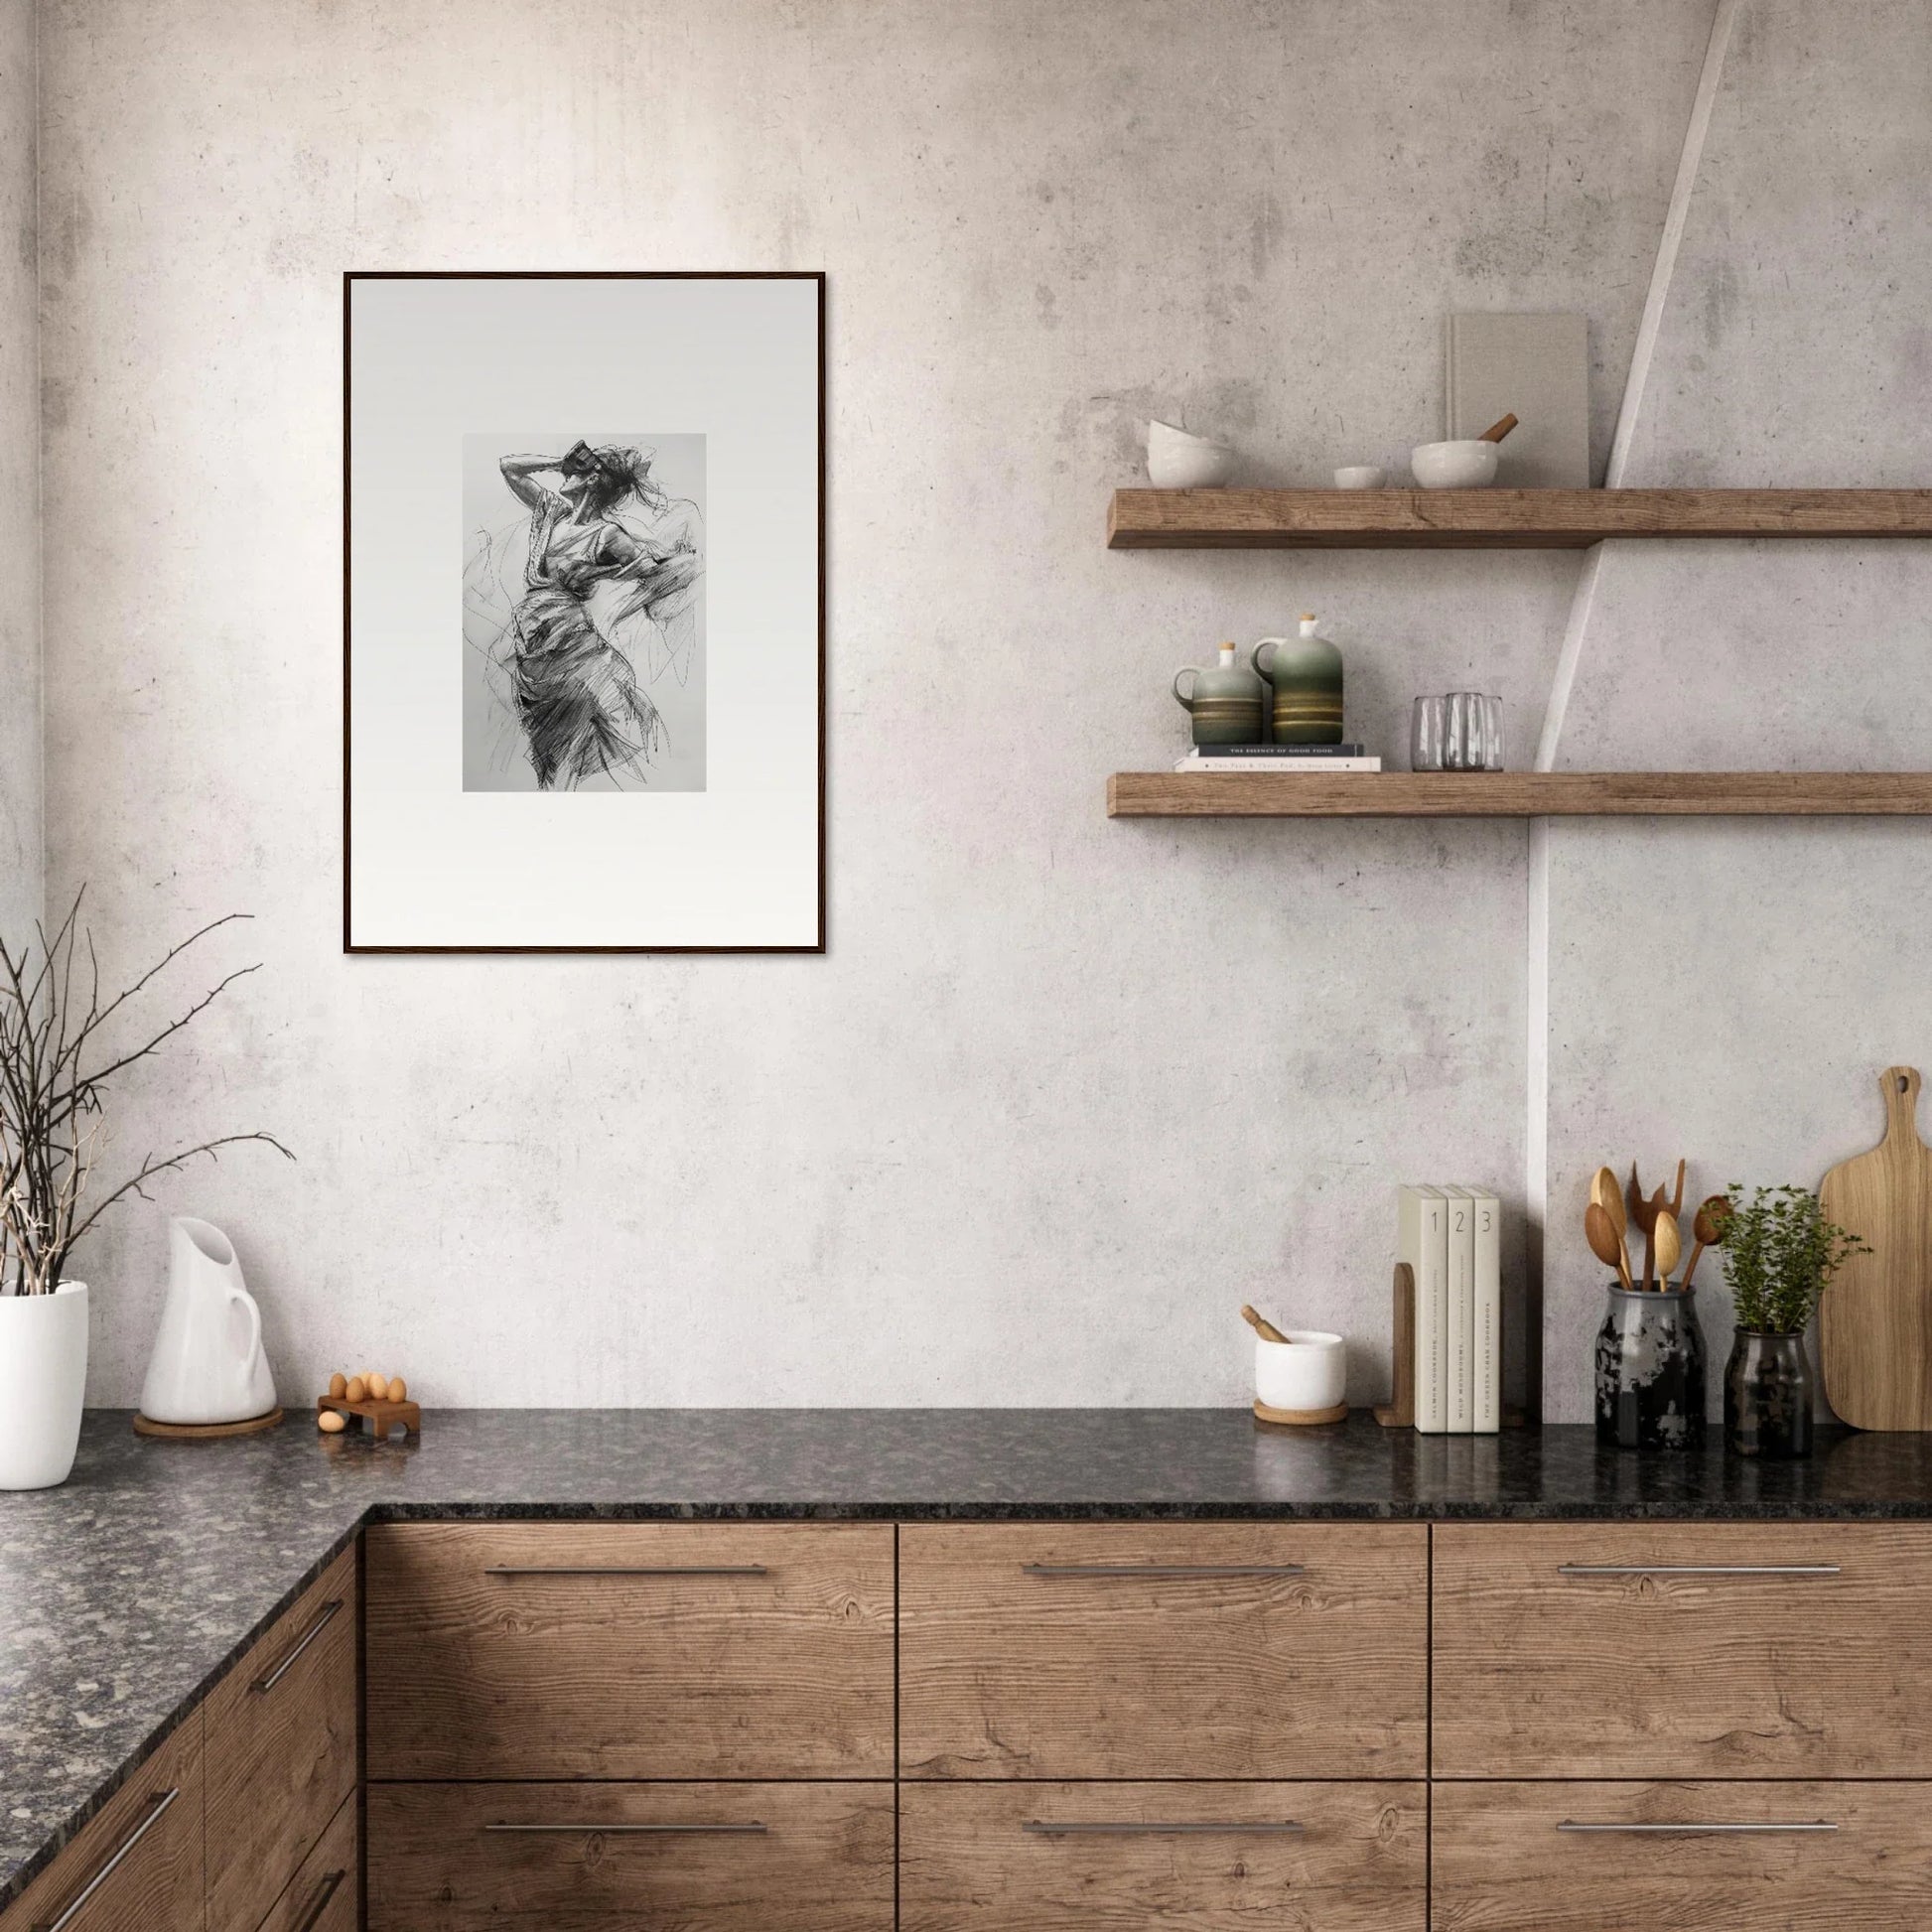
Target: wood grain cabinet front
(136,1867)
(325,1892)
(1647,1650)
(1198,1650)
(1707,1857)
(608,1857)
(641,1650)
(1093,1858)
(281,1750)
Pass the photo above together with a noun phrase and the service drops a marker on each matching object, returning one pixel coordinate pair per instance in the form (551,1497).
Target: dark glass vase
(1767,1396)
(1650,1385)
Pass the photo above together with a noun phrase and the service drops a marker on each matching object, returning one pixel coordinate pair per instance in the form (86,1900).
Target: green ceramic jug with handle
(1225,702)
(1306,675)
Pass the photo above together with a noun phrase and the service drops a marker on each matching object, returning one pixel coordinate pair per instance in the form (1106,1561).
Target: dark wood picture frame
(353,276)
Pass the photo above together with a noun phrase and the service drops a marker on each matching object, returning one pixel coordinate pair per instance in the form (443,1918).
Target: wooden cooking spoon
(1707,1229)
(1669,1240)
(1606,1243)
(1677,1197)
(1260,1324)
(1637,1201)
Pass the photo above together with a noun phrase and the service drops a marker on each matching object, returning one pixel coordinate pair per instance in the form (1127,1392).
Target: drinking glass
(1425,731)
(1492,734)
(1463,731)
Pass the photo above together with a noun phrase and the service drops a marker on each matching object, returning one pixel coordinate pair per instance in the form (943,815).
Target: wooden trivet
(376,1418)
(204,1432)
(1300,1418)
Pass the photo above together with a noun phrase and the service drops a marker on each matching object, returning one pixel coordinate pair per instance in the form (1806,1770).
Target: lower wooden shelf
(1518,794)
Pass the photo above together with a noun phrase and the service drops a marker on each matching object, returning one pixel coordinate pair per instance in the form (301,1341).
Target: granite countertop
(126,1593)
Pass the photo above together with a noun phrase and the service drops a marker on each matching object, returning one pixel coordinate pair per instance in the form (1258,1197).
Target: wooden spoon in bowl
(1606,1242)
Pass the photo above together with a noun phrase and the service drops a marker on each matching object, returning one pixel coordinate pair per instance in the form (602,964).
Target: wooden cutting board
(1874,1324)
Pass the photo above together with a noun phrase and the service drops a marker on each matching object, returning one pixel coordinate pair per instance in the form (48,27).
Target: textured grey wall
(20,585)
(1732,993)
(1065,1092)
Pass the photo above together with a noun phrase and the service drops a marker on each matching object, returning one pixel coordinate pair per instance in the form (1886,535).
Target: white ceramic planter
(43,1381)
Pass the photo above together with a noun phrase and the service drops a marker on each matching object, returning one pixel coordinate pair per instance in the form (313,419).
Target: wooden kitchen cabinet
(326,1892)
(1683,1650)
(630,1651)
(1148,1650)
(608,1857)
(136,1866)
(281,1750)
(1696,1856)
(989,1857)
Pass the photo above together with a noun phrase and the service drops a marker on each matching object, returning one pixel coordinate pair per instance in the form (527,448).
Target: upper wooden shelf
(1518,794)
(1497,519)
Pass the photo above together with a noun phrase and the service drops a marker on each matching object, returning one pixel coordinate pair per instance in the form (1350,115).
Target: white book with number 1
(1422,1225)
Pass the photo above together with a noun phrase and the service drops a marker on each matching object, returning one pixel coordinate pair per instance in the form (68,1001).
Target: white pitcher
(208,1363)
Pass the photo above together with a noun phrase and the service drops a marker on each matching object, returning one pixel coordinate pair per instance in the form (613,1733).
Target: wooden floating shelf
(1497,519)
(1519,795)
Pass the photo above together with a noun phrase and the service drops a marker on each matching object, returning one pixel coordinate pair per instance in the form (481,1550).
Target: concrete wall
(1063,1092)
(20,450)
(1732,993)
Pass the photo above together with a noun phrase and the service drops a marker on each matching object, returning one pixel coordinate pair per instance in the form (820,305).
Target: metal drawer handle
(281,1670)
(1571,1825)
(1163,1570)
(320,1903)
(1220,1827)
(629,1831)
(158,1804)
(628,1570)
(1699,1569)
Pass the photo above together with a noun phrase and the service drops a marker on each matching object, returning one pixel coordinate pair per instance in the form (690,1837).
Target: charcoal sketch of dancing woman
(603,612)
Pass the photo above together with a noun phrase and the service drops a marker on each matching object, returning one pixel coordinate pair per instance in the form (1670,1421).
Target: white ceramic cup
(1310,1370)
(1358,476)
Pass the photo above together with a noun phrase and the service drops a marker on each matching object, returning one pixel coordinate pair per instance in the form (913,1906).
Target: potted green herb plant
(64,1040)
(1780,1254)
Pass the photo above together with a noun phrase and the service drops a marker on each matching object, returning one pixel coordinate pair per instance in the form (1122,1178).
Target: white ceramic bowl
(1358,476)
(1455,465)
(1310,1370)
(1178,460)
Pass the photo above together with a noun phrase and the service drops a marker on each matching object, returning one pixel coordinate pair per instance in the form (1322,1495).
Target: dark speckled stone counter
(126,1593)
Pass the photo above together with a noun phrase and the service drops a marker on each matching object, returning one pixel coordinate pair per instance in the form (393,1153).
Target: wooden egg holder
(1400,1411)
(376,1418)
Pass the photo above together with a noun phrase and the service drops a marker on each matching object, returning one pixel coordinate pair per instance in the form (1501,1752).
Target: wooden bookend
(1400,1411)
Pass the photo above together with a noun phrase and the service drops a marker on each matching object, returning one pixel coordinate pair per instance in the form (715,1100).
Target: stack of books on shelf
(1279,757)
(1449,1237)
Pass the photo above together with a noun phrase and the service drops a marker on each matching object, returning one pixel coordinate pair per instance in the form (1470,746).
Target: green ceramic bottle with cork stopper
(1306,673)
(1224,702)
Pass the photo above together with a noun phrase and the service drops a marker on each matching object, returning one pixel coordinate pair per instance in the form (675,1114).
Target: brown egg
(338,1383)
(332,1422)
(356,1391)
(378,1387)
(398,1389)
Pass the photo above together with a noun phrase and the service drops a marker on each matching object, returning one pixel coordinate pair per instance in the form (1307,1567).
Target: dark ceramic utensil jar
(1650,1383)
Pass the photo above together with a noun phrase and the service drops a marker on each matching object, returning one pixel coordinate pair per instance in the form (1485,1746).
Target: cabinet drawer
(650,1650)
(323,1894)
(1504,1862)
(1683,1650)
(1216,1650)
(281,1750)
(705,1857)
(984,1858)
(136,1867)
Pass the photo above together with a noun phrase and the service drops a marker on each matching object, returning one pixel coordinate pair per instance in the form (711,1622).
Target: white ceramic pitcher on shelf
(208,1364)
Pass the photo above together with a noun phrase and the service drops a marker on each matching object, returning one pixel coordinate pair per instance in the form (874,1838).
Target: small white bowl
(1359,476)
(1178,460)
(1455,465)
(1310,1370)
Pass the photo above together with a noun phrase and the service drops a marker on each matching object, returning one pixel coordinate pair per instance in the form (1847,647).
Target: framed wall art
(584,632)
